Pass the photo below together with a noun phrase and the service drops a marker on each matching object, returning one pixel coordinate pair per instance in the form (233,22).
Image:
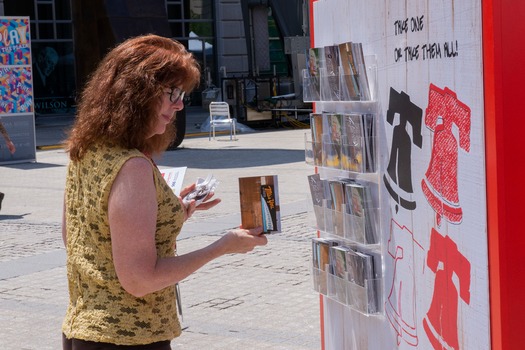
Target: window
(192,23)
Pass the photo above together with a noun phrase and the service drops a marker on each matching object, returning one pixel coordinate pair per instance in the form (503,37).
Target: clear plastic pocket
(313,153)
(351,228)
(328,219)
(319,281)
(337,85)
(331,153)
(311,87)
(359,154)
(319,217)
(309,152)
(330,85)
(365,299)
(339,223)
(362,229)
(316,219)
(360,86)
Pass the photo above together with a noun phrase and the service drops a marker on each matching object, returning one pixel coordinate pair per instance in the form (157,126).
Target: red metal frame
(503,67)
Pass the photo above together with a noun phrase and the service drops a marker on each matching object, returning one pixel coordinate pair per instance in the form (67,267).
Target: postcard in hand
(259,197)
(174,178)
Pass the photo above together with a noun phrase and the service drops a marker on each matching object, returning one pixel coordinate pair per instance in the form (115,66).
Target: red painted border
(490,98)
(504,78)
(311,15)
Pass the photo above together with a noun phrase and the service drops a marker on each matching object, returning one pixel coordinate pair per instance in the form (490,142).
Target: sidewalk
(261,300)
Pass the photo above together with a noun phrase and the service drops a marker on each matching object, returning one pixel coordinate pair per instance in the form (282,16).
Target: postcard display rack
(344,191)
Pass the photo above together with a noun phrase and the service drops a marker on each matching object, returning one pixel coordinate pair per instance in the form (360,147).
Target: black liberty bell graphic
(398,177)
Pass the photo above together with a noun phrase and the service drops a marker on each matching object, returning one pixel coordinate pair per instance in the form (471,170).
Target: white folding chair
(219,116)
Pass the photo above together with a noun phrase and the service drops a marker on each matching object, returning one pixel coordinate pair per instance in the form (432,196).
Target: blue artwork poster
(15,41)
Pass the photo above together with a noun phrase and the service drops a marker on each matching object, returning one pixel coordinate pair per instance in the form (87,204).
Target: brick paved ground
(261,300)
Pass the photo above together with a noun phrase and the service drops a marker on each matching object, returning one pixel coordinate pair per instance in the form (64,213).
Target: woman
(120,217)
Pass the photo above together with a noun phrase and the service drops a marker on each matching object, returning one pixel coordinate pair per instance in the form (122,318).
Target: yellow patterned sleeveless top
(99,308)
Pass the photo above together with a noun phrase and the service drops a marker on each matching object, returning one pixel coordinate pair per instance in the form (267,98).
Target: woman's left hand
(191,207)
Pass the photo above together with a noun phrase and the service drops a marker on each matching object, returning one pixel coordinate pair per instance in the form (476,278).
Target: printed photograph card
(352,149)
(333,140)
(338,257)
(362,76)
(316,127)
(260,206)
(321,253)
(311,89)
(351,79)
(330,90)
(369,133)
(360,204)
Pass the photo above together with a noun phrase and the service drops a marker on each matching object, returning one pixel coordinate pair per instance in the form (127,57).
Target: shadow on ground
(31,165)
(229,158)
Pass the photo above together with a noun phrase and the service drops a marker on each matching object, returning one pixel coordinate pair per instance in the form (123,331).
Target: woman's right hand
(243,240)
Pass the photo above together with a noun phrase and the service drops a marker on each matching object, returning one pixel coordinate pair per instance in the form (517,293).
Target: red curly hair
(121,99)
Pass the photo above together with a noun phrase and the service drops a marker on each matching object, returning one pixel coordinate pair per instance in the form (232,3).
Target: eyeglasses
(176,95)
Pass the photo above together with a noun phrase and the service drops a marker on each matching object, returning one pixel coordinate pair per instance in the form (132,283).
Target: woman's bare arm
(132,218)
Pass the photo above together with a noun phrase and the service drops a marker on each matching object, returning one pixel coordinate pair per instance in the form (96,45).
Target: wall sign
(17,121)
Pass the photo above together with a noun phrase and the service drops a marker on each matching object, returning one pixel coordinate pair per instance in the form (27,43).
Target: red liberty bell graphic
(447,262)
(440,185)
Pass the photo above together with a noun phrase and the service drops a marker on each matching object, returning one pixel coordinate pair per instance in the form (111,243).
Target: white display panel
(434,239)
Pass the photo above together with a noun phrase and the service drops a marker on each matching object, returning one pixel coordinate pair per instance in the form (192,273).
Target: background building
(69,37)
